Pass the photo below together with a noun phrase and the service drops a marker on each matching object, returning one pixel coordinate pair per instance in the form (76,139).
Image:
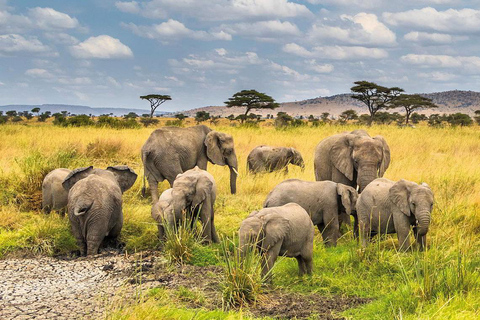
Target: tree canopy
(412,102)
(251,99)
(155,101)
(374,96)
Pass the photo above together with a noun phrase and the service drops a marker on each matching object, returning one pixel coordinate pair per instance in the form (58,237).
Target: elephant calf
(386,206)
(194,193)
(95,204)
(326,202)
(269,159)
(284,230)
(54,196)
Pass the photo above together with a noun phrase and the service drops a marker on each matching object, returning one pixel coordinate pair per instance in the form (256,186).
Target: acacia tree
(251,99)
(155,101)
(376,97)
(412,102)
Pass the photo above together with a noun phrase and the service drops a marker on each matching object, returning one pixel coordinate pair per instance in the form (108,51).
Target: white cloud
(48,18)
(361,29)
(75,81)
(263,30)
(198,63)
(39,73)
(349,3)
(336,52)
(217,10)
(438,76)
(221,51)
(61,38)
(13,43)
(424,37)
(320,68)
(101,47)
(469,63)
(10,23)
(448,21)
(175,30)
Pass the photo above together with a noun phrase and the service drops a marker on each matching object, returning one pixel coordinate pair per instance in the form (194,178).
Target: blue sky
(106,53)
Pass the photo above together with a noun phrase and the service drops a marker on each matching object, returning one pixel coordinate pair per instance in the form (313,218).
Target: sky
(107,53)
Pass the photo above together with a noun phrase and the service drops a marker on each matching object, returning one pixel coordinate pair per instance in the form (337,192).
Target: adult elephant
(325,202)
(352,158)
(269,159)
(95,204)
(54,196)
(170,151)
(387,206)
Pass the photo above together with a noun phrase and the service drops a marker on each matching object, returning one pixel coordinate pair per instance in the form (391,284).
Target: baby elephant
(386,206)
(95,204)
(284,230)
(193,193)
(326,202)
(269,159)
(54,196)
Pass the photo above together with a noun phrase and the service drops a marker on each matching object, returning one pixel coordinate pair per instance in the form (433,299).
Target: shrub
(181,241)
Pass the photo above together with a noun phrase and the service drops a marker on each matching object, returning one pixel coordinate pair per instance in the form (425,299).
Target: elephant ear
(399,194)
(76,175)
(125,176)
(214,148)
(203,188)
(386,156)
(275,229)
(341,155)
(348,196)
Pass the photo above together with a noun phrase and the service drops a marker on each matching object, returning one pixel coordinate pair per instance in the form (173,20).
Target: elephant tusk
(235,170)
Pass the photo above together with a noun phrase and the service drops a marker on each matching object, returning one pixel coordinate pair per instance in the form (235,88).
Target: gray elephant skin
(95,204)
(285,230)
(193,193)
(54,196)
(325,201)
(386,207)
(170,151)
(352,158)
(269,159)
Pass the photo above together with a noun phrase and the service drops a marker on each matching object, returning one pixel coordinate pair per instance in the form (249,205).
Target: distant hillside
(73,109)
(448,102)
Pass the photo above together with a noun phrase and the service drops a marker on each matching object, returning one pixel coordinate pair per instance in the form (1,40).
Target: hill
(74,109)
(448,102)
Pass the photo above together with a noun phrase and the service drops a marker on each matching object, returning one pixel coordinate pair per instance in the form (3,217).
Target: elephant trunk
(366,175)
(423,218)
(232,164)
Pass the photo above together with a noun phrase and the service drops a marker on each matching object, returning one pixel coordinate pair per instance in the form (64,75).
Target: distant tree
(155,101)
(214,119)
(131,115)
(374,96)
(27,115)
(477,116)
(459,119)
(230,117)
(82,120)
(36,110)
(283,119)
(251,99)
(44,116)
(435,120)
(325,116)
(412,102)
(180,116)
(11,113)
(147,121)
(60,118)
(201,116)
(3,119)
(17,119)
(347,115)
(417,117)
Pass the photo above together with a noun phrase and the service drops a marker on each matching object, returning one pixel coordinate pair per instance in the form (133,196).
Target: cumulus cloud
(39,73)
(61,38)
(14,43)
(320,68)
(217,10)
(448,21)
(470,63)
(424,37)
(438,76)
(349,3)
(101,47)
(175,30)
(48,18)
(336,52)
(263,30)
(361,29)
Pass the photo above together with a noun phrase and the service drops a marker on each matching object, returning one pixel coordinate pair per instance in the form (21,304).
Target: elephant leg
(205,218)
(331,231)
(420,240)
(308,260)
(355,226)
(364,233)
(269,260)
(403,241)
(153,185)
(302,269)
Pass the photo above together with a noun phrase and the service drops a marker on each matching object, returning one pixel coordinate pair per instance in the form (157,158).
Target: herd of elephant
(348,169)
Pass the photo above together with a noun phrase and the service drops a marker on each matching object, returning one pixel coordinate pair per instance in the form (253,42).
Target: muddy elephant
(54,196)
(325,202)
(170,151)
(352,158)
(269,159)
(193,193)
(95,204)
(387,206)
(284,230)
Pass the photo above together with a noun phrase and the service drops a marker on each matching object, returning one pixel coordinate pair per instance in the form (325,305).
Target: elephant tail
(81,208)
(144,189)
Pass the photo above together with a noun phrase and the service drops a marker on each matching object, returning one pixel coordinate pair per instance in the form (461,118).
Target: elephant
(284,230)
(269,159)
(352,158)
(387,206)
(172,150)
(325,202)
(193,193)
(95,204)
(54,196)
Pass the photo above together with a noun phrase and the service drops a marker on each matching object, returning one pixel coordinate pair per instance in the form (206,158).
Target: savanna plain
(440,283)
